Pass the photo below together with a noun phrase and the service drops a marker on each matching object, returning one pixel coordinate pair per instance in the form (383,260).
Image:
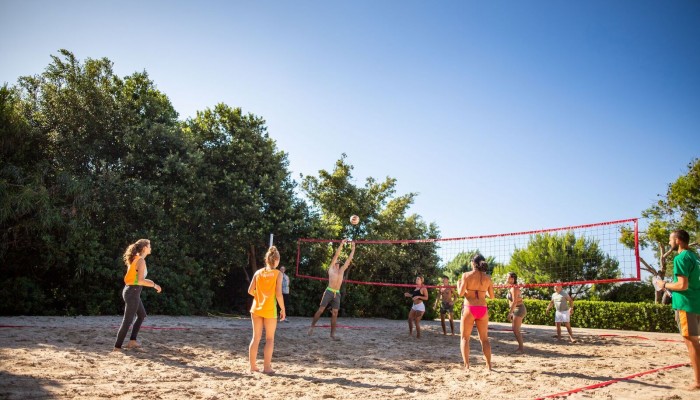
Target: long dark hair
(515,277)
(480,261)
(134,249)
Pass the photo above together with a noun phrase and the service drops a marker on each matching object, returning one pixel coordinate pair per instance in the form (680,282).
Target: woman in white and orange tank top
(134,280)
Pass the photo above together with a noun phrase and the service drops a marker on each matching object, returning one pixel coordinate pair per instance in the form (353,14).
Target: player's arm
(349,260)
(337,252)
(679,286)
(252,287)
(140,272)
(550,305)
(571,303)
(490,292)
(280,297)
(461,289)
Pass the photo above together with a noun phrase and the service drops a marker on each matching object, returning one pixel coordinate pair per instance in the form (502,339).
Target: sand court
(207,358)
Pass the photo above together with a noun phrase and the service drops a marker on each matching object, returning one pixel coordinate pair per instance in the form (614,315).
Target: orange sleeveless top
(132,275)
(265,300)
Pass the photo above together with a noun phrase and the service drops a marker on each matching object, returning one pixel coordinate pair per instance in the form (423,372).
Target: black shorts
(332,298)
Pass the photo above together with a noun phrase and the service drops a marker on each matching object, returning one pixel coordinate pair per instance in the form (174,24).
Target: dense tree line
(90,162)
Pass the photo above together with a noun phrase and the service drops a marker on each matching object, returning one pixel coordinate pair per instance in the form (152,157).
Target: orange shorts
(688,323)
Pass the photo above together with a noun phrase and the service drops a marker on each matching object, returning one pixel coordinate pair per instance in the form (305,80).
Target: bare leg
(442,322)
(418,315)
(452,324)
(482,326)
(410,323)
(558,330)
(467,324)
(693,346)
(270,328)
(571,334)
(255,342)
(316,317)
(334,320)
(517,322)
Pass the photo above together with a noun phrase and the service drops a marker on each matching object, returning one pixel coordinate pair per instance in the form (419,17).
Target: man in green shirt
(686,297)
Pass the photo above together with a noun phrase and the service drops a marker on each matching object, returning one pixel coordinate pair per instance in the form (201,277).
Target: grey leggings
(132,306)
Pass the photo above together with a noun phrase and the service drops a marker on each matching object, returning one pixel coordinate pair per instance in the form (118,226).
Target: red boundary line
(610,382)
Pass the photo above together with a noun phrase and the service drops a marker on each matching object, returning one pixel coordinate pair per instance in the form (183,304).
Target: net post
(272,236)
(296,273)
(636,248)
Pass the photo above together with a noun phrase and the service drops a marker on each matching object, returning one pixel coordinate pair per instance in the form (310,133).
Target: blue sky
(502,116)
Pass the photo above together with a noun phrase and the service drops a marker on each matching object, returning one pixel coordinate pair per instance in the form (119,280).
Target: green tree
(549,258)
(678,209)
(383,216)
(462,263)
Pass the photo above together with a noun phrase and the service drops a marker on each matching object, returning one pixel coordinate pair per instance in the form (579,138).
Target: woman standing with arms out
(517,309)
(418,295)
(474,286)
(135,280)
(266,289)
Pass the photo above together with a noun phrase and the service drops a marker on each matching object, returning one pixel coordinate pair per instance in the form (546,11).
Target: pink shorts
(478,312)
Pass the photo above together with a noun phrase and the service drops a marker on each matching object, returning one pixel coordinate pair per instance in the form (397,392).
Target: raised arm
(349,260)
(337,252)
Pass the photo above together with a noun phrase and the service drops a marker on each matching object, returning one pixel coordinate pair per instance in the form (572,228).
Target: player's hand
(283,315)
(407,294)
(157,287)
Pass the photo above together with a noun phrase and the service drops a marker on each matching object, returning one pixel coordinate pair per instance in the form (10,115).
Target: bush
(646,317)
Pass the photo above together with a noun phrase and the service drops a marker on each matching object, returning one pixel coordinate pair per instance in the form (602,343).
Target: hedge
(645,317)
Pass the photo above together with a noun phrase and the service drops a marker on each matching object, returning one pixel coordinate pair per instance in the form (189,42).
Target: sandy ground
(207,358)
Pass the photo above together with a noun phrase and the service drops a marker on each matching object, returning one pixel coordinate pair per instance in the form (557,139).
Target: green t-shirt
(687,264)
(560,300)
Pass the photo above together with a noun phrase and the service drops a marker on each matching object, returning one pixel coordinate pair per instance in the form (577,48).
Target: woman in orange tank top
(134,280)
(266,289)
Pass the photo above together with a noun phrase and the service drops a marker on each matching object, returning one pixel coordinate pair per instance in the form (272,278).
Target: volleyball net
(572,255)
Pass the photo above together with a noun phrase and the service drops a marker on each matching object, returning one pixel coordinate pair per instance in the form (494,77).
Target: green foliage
(462,263)
(90,162)
(646,317)
(383,216)
(566,258)
(631,292)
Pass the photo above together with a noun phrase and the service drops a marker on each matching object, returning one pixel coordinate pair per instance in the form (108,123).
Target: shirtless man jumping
(332,293)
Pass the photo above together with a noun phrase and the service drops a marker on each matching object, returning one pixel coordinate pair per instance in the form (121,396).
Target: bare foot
(572,340)
(269,371)
(335,338)
(311,330)
(254,369)
(133,345)
(693,387)
(557,337)
(519,351)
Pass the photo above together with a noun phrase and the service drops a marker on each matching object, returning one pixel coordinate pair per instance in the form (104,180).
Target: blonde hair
(271,256)
(134,249)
